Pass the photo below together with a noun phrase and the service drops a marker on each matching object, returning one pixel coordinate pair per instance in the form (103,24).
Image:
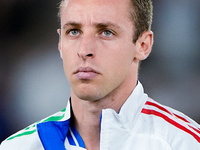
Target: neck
(87,113)
(87,122)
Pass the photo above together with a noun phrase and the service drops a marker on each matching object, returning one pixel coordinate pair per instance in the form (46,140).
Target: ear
(144,45)
(59,43)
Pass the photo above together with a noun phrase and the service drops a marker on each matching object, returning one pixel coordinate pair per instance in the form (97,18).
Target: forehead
(95,11)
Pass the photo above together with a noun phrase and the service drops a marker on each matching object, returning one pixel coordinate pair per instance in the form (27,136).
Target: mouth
(86,73)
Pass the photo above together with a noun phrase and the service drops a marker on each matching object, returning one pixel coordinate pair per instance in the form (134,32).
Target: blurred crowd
(32,80)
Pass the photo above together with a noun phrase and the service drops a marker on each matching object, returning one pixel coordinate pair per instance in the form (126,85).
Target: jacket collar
(53,132)
(56,134)
(134,104)
(130,110)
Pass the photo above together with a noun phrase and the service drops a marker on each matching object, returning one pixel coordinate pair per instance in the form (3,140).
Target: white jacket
(141,124)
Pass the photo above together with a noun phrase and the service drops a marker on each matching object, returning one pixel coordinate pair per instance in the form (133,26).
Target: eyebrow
(73,24)
(97,25)
(106,25)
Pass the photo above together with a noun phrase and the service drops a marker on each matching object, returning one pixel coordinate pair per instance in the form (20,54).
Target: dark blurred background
(32,80)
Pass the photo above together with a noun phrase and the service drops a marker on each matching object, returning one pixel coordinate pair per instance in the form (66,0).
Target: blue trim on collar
(70,139)
(78,137)
(52,134)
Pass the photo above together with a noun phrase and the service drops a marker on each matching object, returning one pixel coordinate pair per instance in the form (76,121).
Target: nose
(87,47)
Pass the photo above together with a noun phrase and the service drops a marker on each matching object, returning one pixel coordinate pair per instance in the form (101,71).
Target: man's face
(96,47)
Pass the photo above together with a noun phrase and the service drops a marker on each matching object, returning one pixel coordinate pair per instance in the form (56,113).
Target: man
(102,44)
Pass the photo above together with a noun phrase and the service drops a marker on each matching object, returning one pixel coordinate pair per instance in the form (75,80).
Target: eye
(107,33)
(73,32)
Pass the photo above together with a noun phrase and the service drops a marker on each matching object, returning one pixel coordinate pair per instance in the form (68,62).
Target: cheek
(119,62)
(121,55)
(122,61)
(69,50)
(68,60)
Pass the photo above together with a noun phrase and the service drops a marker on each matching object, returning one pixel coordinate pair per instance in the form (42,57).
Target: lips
(86,73)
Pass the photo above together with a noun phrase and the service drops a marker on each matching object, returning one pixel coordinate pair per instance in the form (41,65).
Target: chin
(89,92)
(89,95)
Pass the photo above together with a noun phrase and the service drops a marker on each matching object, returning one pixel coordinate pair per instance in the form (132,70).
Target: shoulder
(170,124)
(28,138)
(29,141)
